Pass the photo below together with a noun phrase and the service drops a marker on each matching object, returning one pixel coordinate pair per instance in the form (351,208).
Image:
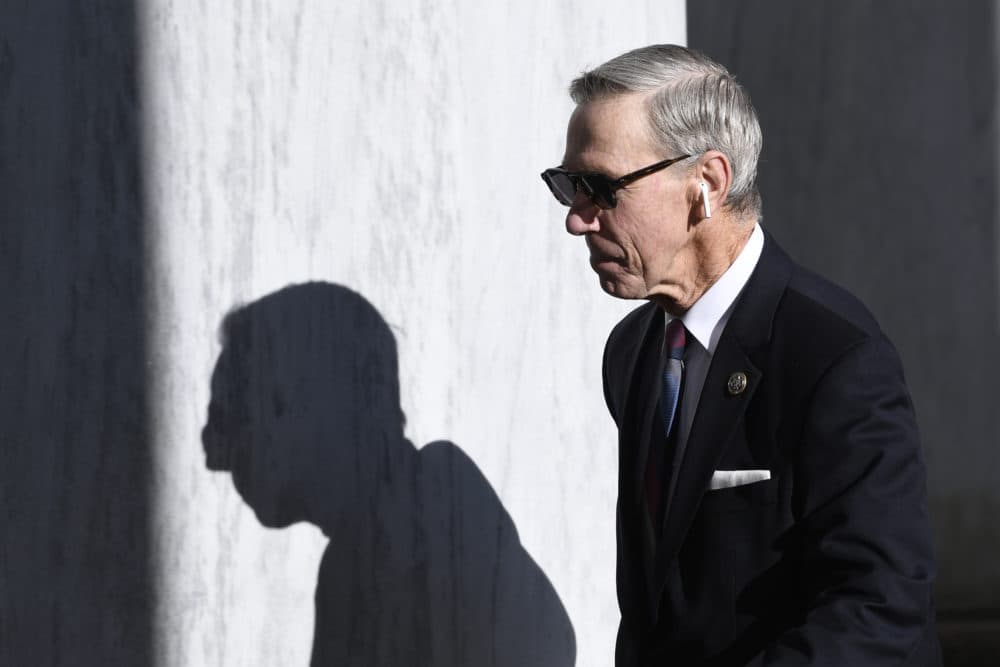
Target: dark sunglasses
(600,188)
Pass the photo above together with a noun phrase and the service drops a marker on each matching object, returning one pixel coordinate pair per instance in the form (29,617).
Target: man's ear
(716,173)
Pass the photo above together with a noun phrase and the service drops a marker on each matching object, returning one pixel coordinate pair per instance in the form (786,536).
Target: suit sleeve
(626,642)
(861,522)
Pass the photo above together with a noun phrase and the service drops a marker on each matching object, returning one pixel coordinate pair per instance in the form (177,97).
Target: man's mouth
(600,262)
(599,256)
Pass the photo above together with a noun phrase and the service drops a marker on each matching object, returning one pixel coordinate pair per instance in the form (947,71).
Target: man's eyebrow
(578,169)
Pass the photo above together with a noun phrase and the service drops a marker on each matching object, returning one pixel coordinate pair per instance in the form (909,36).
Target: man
(772,503)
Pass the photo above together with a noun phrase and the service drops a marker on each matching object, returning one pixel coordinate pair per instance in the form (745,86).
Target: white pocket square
(726,479)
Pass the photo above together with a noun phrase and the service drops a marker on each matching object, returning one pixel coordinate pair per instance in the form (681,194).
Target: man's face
(243,436)
(642,247)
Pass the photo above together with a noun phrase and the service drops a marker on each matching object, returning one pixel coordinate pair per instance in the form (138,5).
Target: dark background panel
(879,171)
(75,583)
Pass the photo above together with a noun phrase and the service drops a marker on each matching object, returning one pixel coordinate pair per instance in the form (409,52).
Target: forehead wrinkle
(610,135)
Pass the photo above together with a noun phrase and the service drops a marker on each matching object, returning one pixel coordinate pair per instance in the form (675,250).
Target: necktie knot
(676,339)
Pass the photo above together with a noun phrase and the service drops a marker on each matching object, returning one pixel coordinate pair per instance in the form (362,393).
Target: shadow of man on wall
(424,565)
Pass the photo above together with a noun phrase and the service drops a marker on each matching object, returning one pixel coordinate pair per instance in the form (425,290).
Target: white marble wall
(394,149)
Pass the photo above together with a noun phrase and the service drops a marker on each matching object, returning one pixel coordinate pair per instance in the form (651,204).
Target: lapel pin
(737,384)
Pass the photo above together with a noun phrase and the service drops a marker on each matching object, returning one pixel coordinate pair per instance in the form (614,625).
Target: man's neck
(713,253)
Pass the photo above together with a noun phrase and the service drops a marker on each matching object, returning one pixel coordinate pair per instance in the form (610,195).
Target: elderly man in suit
(772,503)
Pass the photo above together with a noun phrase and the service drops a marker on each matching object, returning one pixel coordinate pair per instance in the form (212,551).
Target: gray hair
(695,105)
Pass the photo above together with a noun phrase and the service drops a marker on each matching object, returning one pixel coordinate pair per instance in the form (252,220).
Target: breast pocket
(755,495)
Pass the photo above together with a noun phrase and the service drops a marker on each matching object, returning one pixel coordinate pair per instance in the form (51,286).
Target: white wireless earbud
(704,199)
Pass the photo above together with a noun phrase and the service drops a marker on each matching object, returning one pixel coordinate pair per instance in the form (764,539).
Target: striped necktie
(673,372)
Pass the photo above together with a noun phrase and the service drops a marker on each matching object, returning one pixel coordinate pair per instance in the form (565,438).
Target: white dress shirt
(705,321)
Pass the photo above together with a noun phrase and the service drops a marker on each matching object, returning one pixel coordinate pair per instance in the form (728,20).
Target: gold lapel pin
(737,384)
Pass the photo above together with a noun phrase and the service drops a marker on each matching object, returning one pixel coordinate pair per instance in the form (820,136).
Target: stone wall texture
(407,453)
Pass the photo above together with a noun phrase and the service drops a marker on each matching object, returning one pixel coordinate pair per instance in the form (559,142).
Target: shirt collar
(706,319)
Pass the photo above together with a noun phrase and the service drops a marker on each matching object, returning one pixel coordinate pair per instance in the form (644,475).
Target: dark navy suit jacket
(830,561)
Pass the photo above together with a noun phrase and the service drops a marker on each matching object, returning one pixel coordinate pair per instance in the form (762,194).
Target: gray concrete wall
(879,171)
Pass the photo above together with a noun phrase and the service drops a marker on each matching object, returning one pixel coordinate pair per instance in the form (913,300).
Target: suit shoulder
(825,312)
(817,326)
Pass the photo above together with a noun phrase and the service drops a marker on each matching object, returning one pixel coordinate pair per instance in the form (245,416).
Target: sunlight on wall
(395,151)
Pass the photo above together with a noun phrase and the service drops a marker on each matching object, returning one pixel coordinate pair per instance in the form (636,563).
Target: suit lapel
(640,409)
(720,412)
(643,401)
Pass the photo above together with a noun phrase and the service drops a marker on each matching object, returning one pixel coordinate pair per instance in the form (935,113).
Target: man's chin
(272,508)
(617,288)
(275,515)
(270,519)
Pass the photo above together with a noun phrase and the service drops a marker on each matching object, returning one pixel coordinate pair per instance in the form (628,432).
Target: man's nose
(582,217)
